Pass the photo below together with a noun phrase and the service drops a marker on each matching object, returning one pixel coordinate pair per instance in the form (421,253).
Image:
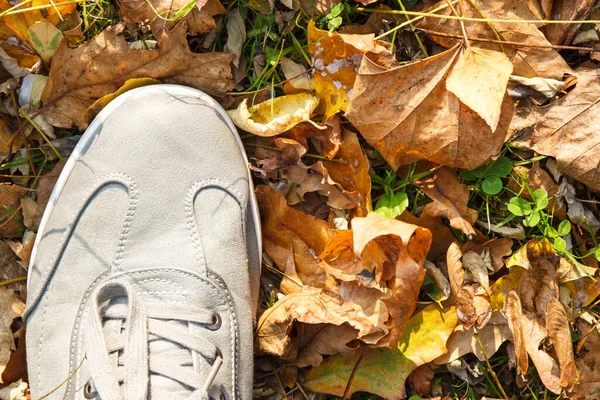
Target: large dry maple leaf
(79,77)
(407,113)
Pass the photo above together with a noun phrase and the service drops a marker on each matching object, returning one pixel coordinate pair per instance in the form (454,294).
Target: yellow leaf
(274,116)
(336,58)
(128,85)
(479,80)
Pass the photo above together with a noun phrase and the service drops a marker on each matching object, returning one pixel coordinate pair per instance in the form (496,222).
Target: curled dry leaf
(336,58)
(384,371)
(293,238)
(496,249)
(450,199)
(81,76)
(557,323)
(200,19)
(346,184)
(567,130)
(274,116)
(479,80)
(406,113)
(311,306)
(442,235)
(567,11)
(528,333)
(299,77)
(332,339)
(534,59)
(470,286)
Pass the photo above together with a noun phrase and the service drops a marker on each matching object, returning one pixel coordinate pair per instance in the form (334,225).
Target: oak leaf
(79,77)
(384,371)
(406,113)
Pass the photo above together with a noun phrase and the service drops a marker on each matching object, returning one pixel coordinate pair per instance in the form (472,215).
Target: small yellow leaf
(479,80)
(128,85)
(274,116)
(45,38)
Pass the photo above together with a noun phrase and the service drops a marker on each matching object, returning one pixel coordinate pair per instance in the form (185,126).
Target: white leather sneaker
(144,277)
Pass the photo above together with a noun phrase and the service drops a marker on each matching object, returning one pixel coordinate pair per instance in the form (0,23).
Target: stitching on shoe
(75,338)
(235,344)
(134,195)
(161,280)
(41,339)
(190,217)
(84,200)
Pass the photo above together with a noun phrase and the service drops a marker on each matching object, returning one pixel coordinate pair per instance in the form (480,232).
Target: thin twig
(16,10)
(412,28)
(462,24)
(354,369)
(410,21)
(516,44)
(491,371)
(11,281)
(486,20)
(63,382)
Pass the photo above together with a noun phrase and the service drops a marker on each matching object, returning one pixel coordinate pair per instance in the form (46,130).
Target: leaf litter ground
(426,173)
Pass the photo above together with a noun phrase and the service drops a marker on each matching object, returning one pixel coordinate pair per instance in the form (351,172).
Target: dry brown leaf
(587,362)
(10,209)
(557,323)
(10,308)
(567,10)
(514,316)
(293,240)
(450,199)
(538,287)
(16,368)
(464,341)
(34,209)
(199,20)
(336,58)
(420,380)
(332,339)
(311,306)
(528,61)
(479,80)
(406,113)
(567,130)
(497,249)
(81,76)
(327,140)
(528,333)
(442,235)
(470,286)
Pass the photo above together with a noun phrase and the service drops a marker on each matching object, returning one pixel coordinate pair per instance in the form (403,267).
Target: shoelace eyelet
(216,322)
(89,390)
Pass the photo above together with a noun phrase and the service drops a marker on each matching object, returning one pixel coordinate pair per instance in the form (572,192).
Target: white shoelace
(136,365)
